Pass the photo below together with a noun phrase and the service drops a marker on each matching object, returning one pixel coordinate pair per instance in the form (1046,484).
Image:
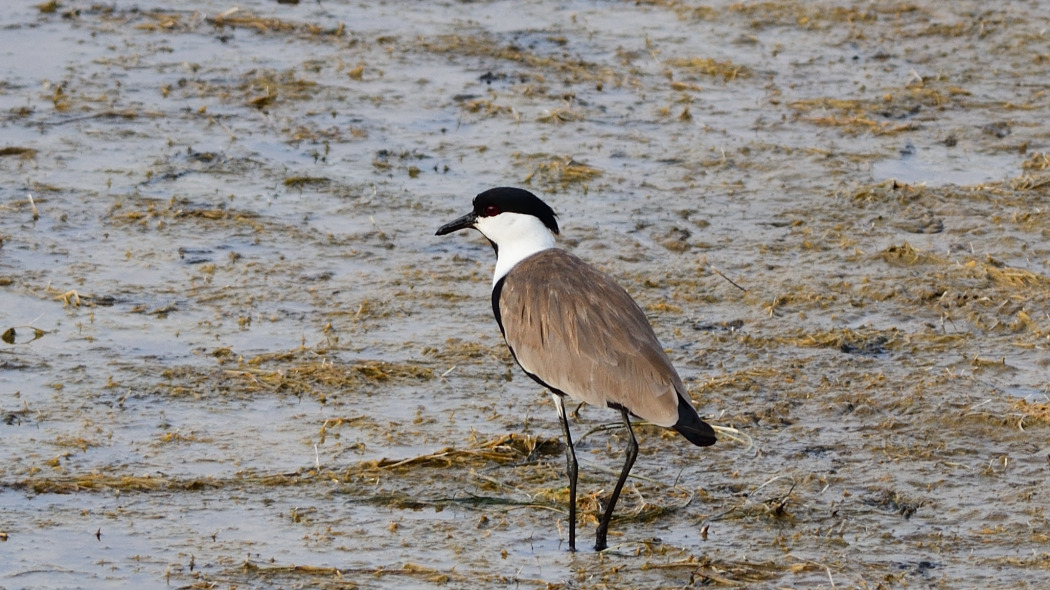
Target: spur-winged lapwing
(575,331)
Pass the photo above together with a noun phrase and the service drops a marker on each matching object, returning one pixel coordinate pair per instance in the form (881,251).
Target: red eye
(490,211)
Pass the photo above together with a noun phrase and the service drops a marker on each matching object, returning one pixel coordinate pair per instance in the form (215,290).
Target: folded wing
(575,329)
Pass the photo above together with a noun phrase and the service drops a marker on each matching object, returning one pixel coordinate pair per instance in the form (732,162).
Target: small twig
(728,431)
(70,297)
(731,281)
(224,128)
(129,114)
(504,485)
(616,472)
(975,406)
(736,435)
(603,428)
(382,233)
(641,500)
(747,498)
(793,482)
(771,309)
(32,205)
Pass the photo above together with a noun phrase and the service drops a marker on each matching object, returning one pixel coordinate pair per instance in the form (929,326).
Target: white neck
(517,236)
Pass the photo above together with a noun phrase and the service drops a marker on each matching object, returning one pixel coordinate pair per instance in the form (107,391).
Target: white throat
(517,236)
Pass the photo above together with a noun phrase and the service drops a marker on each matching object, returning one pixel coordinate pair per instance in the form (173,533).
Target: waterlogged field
(235,355)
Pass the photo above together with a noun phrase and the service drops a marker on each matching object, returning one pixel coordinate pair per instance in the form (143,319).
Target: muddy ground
(235,355)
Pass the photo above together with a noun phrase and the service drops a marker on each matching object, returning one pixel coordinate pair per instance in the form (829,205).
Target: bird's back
(576,330)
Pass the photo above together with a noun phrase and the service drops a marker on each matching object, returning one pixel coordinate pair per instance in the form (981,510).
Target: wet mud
(235,355)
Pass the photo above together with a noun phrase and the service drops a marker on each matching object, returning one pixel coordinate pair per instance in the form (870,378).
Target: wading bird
(575,331)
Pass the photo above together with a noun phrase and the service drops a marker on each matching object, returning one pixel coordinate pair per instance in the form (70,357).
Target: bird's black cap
(504,199)
(507,199)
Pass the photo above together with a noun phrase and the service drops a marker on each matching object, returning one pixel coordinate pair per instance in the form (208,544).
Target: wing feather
(579,332)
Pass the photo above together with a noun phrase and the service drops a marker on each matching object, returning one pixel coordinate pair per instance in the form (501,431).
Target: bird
(574,330)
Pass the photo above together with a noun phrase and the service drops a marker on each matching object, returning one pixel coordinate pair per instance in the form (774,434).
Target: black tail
(691,426)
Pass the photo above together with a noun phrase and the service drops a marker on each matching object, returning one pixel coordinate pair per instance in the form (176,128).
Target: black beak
(465,222)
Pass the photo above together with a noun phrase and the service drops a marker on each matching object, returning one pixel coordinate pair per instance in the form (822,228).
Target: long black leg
(632,454)
(571,469)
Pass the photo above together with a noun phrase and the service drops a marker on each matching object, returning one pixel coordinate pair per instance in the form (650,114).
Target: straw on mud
(731,281)
(32,206)
(730,433)
(427,574)
(559,172)
(748,498)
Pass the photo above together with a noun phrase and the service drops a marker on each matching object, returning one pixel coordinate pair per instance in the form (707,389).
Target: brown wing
(577,330)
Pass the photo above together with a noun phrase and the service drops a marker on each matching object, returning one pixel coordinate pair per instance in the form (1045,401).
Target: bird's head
(511,218)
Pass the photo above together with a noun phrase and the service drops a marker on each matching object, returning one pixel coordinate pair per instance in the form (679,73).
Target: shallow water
(235,354)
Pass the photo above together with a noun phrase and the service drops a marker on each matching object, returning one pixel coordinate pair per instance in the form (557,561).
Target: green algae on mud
(230,321)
